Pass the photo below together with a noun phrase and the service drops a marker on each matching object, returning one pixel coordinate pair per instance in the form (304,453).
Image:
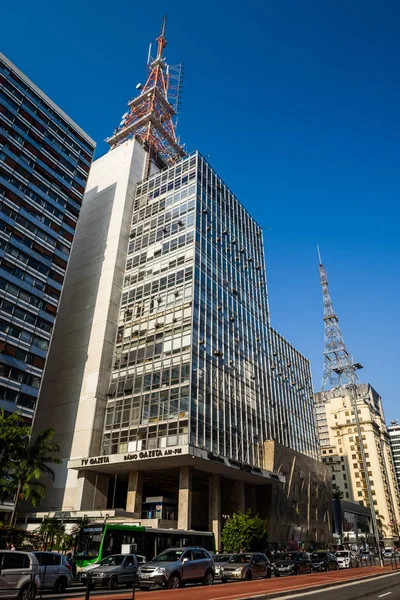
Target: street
(375,588)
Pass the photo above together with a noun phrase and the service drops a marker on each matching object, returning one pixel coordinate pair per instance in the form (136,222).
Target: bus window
(88,542)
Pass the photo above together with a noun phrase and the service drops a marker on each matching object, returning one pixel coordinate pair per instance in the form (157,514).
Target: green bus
(98,540)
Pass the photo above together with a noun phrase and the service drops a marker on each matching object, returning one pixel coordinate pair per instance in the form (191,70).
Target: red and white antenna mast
(150,115)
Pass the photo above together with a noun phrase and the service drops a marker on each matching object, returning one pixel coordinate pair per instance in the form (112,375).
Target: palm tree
(32,461)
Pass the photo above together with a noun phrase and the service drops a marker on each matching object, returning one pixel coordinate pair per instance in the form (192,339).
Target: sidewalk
(258,589)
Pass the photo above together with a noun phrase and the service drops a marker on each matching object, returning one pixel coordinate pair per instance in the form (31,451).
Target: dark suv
(175,567)
(324,561)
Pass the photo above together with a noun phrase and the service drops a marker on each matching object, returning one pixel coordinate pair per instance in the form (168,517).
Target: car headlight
(239,570)
(159,570)
(217,569)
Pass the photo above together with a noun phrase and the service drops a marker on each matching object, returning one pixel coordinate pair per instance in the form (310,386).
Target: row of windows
(20,376)
(24,296)
(23,335)
(18,398)
(34,264)
(35,282)
(13,310)
(36,104)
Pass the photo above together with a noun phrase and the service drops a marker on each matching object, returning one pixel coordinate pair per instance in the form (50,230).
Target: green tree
(30,463)
(50,531)
(13,430)
(244,532)
(337,493)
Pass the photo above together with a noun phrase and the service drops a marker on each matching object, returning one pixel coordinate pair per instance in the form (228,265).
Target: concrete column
(91,491)
(238,496)
(214,508)
(135,493)
(185,498)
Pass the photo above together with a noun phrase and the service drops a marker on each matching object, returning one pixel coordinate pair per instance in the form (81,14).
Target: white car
(345,558)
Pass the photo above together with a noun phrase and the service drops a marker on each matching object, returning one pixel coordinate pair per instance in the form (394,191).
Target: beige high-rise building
(340,447)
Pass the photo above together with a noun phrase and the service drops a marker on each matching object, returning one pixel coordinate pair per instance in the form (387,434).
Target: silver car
(246,565)
(176,566)
(18,575)
(55,572)
(219,561)
(111,571)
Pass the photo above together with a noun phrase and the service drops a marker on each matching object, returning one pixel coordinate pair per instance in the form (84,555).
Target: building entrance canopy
(175,456)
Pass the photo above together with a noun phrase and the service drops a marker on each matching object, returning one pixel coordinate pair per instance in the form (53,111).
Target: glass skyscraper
(44,164)
(194,345)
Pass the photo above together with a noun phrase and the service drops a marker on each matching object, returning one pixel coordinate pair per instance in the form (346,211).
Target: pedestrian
(12,547)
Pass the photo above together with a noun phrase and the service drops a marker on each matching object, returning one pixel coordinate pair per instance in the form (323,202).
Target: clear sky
(297,102)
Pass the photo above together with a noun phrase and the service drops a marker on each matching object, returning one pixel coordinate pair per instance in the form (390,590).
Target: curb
(315,588)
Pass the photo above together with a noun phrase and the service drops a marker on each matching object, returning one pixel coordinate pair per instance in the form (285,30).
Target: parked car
(176,566)
(293,563)
(55,571)
(366,556)
(111,571)
(219,561)
(322,560)
(19,575)
(246,565)
(345,559)
(388,552)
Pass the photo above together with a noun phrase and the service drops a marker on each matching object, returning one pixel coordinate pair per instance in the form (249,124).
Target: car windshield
(346,554)
(318,555)
(240,558)
(222,557)
(112,561)
(169,555)
(289,556)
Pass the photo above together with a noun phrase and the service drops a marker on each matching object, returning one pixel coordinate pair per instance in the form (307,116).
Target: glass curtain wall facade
(192,349)
(294,422)
(44,163)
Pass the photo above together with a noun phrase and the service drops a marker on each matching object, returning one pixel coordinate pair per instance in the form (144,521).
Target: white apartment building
(394,437)
(340,447)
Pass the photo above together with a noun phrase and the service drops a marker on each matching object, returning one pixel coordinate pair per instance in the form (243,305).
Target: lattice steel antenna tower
(339,368)
(150,115)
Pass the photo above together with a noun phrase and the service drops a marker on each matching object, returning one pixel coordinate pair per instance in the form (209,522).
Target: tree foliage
(242,532)
(13,430)
(24,460)
(337,493)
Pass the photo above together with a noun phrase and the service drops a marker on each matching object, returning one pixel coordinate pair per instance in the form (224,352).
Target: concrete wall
(300,509)
(77,374)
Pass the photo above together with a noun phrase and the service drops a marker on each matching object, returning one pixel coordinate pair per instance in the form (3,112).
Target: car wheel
(174,582)
(113,583)
(60,585)
(268,574)
(223,580)
(277,574)
(248,575)
(27,592)
(208,578)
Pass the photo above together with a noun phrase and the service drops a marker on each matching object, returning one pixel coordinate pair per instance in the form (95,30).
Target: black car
(324,561)
(292,563)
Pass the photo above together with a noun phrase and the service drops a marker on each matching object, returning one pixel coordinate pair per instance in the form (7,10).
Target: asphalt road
(381,587)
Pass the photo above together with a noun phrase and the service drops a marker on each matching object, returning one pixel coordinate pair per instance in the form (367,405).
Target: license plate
(145,576)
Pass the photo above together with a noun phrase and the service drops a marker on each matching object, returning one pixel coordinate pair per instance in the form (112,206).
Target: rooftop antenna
(339,368)
(151,115)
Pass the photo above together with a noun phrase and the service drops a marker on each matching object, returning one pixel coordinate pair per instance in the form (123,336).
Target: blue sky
(297,104)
